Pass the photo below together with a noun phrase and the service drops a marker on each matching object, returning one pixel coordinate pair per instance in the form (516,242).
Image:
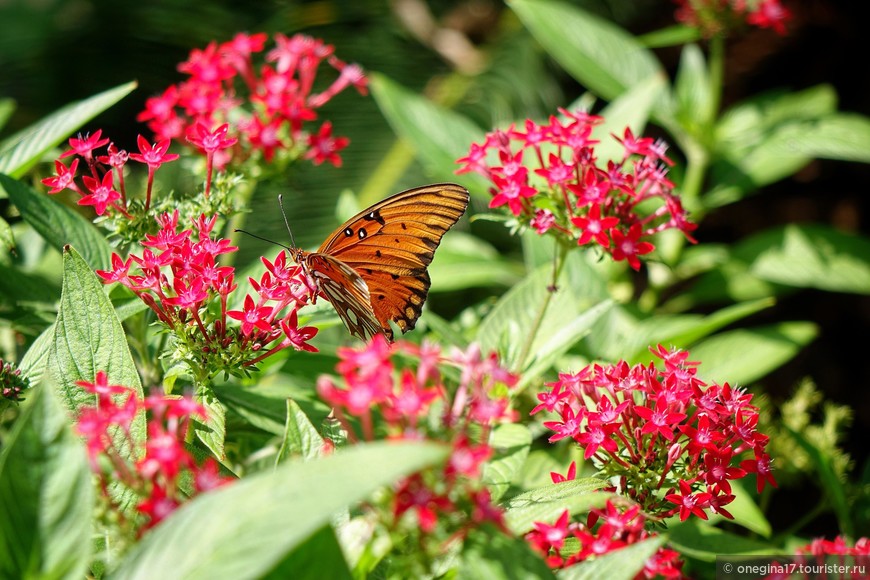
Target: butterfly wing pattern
(373,268)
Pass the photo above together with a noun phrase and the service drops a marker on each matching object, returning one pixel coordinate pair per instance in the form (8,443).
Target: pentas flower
(102,184)
(672,442)
(179,276)
(267,96)
(150,469)
(606,530)
(717,17)
(12,383)
(549,178)
(399,391)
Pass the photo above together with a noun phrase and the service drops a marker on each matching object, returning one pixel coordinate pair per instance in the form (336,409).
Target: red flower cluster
(270,104)
(178,276)
(607,530)
(656,429)
(105,173)
(153,472)
(415,404)
(549,178)
(714,16)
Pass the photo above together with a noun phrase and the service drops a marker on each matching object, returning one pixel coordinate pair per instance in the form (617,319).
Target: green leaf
(631,109)
(88,338)
(496,556)
(511,443)
(22,150)
(34,361)
(245,529)
(547,503)
(264,405)
(58,224)
(765,139)
(20,287)
(601,56)
(704,541)
(568,315)
(809,256)
(622,564)
(840,136)
(46,494)
(621,336)
(318,557)
(465,261)
(301,438)
(213,432)
(694,102)
(745,510)
(676,35)
(438,135)
(745,355)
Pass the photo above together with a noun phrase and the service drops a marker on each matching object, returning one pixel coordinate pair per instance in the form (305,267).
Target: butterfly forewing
(388,246)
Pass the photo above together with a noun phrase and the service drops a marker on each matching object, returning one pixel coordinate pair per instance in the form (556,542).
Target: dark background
(54,52)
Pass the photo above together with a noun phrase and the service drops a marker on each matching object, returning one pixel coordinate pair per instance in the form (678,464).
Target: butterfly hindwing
(348,293)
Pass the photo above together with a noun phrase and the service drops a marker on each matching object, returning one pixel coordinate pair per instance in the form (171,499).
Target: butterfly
(372,269)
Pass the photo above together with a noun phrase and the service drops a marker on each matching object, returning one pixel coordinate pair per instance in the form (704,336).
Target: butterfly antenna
(264,239)
(284,214)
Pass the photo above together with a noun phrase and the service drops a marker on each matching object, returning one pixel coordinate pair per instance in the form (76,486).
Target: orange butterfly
(373,268)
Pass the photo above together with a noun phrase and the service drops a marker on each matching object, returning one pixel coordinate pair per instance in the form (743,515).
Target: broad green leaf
(828,481)
(547,503)
(46,494)
(34,361)
(88,338)
(745,355)
(744,125)
(704,542)
(20,287)
(787,148)
(809,256)
(213,431)
(694,101)
(632,109)
(465,261)
(511,444)
(438,135)
(317,558)
(22,150)
(622,564)
(496,556)
(264,405)
(840,136)
(248,527)
(301,438)
(530,326)
(745,510)
(601,56)
(58,224)
(768,138)
(629,339)
(676,35)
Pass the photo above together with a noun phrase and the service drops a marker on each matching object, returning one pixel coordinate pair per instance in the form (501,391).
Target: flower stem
(558,263)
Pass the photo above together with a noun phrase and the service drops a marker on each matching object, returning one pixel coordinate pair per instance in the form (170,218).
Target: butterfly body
(373,268)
